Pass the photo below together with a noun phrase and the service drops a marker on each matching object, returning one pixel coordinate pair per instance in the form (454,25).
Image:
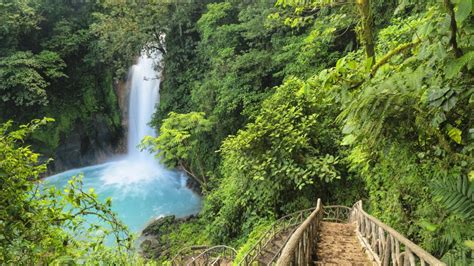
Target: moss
(48,138)
(111,101)
(87,94)
(158,226)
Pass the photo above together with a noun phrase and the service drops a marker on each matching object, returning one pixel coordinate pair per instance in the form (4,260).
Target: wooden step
(338,245)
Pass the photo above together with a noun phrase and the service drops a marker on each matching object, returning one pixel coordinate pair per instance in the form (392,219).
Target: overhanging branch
(401,48)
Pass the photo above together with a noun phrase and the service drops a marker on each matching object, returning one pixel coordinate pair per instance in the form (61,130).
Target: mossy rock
(160,225)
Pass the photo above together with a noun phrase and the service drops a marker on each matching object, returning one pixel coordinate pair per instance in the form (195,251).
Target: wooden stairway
(204,256)
(338,245)
(339,235)
(273,247)
(324,235)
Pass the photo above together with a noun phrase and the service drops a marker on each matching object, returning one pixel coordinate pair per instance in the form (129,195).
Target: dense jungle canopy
(268,105)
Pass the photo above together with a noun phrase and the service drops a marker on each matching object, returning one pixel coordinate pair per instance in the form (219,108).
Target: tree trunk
(367,34)
(201,182)
(454,28)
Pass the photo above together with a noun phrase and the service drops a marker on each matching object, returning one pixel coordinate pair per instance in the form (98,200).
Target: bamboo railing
(213,256)
(387,246)
(284,223)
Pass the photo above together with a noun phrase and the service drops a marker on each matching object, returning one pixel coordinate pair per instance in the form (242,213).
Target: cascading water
(139,186)
(143,96)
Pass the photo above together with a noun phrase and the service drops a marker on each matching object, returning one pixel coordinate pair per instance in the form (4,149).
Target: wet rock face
(122,90)
(158,226)
(154,238)
(154,243)
(87,146)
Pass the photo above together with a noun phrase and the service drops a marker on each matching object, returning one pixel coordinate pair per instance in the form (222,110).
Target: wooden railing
(186,254)
(213,256)
(387,246)
(286,222)
(299,248)
(337,213)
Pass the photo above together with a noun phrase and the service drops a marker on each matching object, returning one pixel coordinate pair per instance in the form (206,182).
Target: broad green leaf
(348,140)
(454,67)
(347,129)
(369,63)
(428,226)
(463,10)
(438,118)
(469,244)
(450,103)
(455,134)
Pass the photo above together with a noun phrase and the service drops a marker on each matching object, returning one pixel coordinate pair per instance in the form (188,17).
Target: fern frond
(456,195)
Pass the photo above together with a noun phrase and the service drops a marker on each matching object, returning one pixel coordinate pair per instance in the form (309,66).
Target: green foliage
(302,99)
(253,237)
(463,10)
(178,134)
(224,58)
(19,18)
(49,66)
(185,234)
(125,29)
(408,130)
(406,124)
(278,145)
(25,77)
(290,151)
(44,225)
(457,196)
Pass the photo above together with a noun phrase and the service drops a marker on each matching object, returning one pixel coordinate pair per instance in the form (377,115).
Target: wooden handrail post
(297,250)
(385,242)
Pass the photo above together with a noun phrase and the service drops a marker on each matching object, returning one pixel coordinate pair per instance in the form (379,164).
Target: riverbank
(155,239)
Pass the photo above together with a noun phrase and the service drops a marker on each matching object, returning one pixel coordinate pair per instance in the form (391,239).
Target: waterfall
(140,187)
(144,94)
(140,167)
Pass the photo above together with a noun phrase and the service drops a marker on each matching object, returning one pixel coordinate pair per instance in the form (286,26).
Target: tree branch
(401,48)
(183,167)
